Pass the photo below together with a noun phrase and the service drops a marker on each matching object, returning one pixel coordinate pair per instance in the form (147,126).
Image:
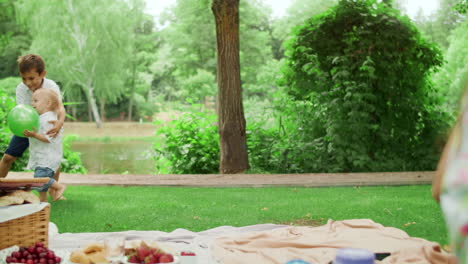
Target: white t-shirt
(43,154)
(24,95)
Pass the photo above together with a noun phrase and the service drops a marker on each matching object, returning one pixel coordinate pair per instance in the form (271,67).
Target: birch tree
(85,43)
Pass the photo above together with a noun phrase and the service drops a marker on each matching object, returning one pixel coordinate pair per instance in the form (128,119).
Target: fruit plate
(176,261)
(4,253)
(63,254)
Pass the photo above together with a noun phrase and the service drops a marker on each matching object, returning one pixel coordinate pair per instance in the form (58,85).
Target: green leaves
(191,144)
(370,68)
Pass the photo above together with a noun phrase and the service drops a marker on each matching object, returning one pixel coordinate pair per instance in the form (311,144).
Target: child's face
(32,79)
(40,102)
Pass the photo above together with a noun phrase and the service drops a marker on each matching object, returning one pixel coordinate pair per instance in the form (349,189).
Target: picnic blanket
(271,244)
(319,244)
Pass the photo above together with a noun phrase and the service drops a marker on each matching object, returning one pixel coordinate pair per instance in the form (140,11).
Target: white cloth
(43,154)
(179,239)
(8,213)
(24,95)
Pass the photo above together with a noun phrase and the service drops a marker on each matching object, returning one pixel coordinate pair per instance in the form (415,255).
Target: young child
(450,186)
(32,70)
(45,152)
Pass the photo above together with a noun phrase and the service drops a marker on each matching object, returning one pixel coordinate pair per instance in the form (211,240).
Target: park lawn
(112,208)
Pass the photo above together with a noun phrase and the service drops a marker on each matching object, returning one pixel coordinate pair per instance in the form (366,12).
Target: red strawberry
(143,252)
(166,258)
(151,259)
(134,259)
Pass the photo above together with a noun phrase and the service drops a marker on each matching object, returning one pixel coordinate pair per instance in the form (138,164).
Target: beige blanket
(318,244)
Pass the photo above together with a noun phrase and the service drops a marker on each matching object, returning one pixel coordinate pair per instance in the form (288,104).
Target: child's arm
(35,135)
(53,132)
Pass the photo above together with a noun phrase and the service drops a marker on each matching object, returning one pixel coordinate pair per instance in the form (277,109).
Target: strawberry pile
(147,255)
(37,254)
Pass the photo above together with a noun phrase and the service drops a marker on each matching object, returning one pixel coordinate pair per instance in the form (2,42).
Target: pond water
(116,157)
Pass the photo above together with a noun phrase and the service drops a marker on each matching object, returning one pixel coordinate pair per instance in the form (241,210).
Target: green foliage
(366,68)
(439,25)
(453,77)
(8,86)
(462,6)
(296,14)
(199,85)
(191,144)
(6,103)
(91,46)
(13,39)
(145,107)
(188,50)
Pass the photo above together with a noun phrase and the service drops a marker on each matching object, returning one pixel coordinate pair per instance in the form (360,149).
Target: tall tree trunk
(90,112)
(132,91)
(103,110)
(231,121)
(93,105)
(73,113)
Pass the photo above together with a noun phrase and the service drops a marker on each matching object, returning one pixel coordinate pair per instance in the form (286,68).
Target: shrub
(366,68)
(190,145)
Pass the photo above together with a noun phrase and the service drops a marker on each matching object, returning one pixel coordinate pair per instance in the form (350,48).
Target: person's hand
(29,133)
(53,132)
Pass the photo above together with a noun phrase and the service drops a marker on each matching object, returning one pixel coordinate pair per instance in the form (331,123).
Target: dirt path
(245,180)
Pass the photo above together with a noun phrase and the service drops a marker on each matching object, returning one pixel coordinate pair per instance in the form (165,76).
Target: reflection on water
(121,157)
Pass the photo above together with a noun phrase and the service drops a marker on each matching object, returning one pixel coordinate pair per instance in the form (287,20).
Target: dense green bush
(191,144)
(366,68)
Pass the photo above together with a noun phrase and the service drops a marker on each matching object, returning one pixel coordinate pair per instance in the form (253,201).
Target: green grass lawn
(107,209)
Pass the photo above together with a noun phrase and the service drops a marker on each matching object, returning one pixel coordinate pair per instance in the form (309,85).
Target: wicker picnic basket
(26,230)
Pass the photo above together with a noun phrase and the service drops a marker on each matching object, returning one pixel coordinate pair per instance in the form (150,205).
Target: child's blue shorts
(17,146)
(44,172)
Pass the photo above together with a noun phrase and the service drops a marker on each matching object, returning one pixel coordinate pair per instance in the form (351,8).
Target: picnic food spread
(135,252)
(93,253)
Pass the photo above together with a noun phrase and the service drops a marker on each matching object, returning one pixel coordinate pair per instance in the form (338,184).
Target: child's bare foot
(58,193)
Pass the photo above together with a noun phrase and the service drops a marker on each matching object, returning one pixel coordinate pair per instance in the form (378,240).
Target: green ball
(23,117)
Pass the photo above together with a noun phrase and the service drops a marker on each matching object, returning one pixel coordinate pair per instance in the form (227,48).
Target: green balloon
(23,117)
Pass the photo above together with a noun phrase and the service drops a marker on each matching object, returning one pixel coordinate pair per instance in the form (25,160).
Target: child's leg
(43,196)
(58,190)
(44,172)
(15,149)
(5,164)
(56,178)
